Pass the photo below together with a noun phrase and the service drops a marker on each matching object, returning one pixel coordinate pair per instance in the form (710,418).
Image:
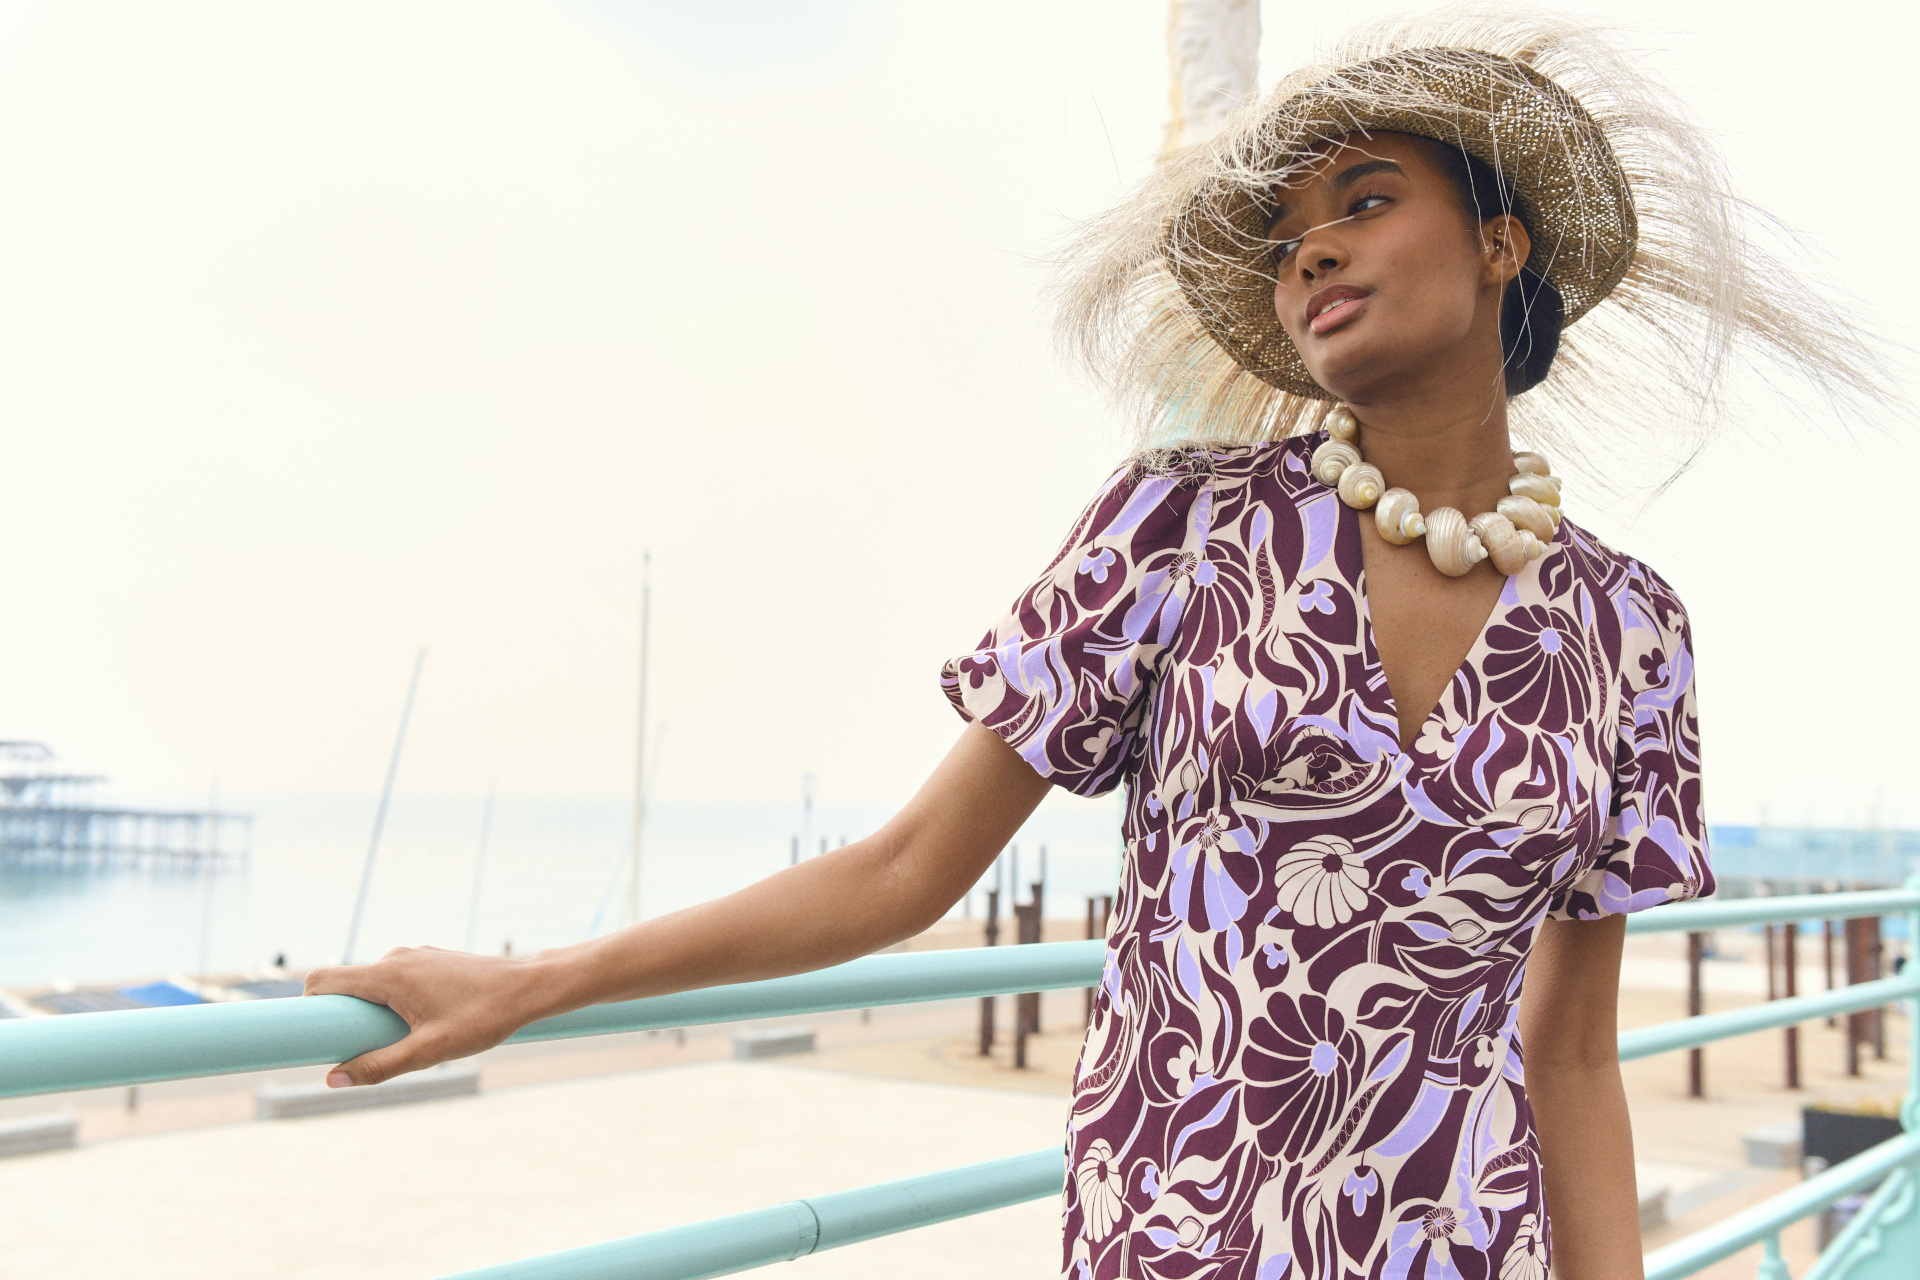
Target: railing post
(1696,1057)
(1826,946)
(986,1002)
(1863,957)
(1034,930)
(1772,1265)
(1773,964)
(1910,1108)
(1876,961)
(1026,1006)
(1792,1034)
(1850,935)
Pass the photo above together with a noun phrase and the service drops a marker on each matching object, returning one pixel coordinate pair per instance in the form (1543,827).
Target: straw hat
(1565,183)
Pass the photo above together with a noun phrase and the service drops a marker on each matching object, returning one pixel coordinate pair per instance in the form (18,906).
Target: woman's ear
(1505,244)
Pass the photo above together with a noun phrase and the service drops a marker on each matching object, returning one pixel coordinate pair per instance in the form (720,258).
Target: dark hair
(1532,313)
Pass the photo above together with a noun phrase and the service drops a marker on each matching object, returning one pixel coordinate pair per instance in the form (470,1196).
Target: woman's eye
(1365,203)
(1283,249)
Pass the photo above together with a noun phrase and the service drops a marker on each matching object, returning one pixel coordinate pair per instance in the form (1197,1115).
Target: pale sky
(331,331)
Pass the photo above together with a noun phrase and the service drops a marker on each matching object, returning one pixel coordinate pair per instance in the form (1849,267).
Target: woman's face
(1383,282)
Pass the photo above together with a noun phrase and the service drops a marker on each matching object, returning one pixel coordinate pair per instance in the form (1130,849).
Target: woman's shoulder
(1640,595)
(1201,464)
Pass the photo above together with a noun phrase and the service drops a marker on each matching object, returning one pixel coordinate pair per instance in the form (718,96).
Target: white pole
(207,865)
(1213,52)
(640,748)
(806,815)
(479,865)
(380,814)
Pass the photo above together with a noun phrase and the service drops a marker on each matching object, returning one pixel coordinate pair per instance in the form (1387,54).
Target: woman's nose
(1318,266)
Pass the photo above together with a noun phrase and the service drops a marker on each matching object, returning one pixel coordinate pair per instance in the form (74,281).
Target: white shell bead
(1528,514)
(1505,545)
(1535,547)
(1361,485)
(1397,516)
(1331,458)
(1340,423)
(1452,546)
(1531,464)
(1543,489)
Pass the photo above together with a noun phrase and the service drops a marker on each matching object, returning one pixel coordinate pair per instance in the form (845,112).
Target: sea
(552,874)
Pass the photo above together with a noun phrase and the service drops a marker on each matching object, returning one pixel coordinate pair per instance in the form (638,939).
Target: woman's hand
(829,909)
(455,1004)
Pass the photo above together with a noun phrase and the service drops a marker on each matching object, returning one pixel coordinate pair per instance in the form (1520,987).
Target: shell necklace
(1517,530)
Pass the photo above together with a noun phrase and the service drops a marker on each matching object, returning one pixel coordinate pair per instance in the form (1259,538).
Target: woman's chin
(1345,379)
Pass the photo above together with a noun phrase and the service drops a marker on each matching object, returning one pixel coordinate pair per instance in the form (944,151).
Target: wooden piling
(1696,1005)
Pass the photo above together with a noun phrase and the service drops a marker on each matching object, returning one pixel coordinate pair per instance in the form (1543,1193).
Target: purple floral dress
(1304,1060)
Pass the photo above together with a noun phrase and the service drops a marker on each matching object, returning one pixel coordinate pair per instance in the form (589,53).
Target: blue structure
(1810,859)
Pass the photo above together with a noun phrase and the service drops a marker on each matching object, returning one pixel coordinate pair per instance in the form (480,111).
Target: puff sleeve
(1064,677)
(1653,846)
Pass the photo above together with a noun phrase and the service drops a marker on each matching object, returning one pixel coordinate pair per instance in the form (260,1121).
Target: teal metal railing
(45,1055)
(1858,1253)
(141,1046)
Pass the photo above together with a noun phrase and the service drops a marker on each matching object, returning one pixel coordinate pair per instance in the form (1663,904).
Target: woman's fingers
(411,1054)
(362,980)
(454,1004)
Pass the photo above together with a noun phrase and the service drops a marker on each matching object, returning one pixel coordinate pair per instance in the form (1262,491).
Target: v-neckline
(1510,598)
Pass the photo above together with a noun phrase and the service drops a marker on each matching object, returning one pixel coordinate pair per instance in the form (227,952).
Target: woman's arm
(843,904)
(1568,1023)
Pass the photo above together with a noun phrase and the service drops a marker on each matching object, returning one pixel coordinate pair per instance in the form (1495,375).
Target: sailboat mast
(479,867)
(640,748)
(380,814)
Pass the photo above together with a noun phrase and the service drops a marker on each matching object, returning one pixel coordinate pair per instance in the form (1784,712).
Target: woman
(1396,734)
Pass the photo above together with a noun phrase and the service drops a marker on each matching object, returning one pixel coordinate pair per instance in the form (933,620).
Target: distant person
(1395,732)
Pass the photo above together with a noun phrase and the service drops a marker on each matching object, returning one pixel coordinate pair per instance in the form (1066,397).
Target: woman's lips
(1329,312)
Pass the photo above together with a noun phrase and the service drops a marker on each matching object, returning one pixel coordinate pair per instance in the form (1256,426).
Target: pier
(50,817)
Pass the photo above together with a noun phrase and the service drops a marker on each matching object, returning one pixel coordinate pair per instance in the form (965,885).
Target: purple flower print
(1418,881)
(1096,563)
(1097,1178)
(1213,872)
(1318,598)
(1538,669)
(1302,1063)
(1433,741)
(1527,1256)
(1321,882)
(1442,1227)
(1360,1183)
(1421,1244)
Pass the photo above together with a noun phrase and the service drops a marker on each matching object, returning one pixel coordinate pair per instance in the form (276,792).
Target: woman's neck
(1448,451)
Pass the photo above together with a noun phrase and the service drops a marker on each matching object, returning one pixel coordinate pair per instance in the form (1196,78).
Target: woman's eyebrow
(1341,181)
(1353,173)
